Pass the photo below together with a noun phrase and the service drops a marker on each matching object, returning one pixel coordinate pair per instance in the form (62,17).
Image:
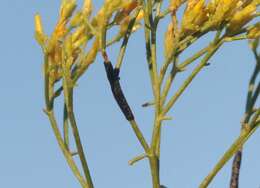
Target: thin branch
(66,127)
(187,82)
(64,150)
(125,40)
(238,143)
(252,96)
(169,81)
(188,61)
(136,159)
(68,96)
(49,111)
(140,136)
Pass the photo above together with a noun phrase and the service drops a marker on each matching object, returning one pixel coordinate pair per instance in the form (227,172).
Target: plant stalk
(238,143)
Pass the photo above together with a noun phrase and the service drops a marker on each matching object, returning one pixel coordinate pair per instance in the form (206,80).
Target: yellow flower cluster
(234,13)
(241,17)
(202,15)
(194,16)
(74,29)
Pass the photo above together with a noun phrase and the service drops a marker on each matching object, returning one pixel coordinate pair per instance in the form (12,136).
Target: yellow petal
(39,33)
(67,9)
(241,18)
(87,8)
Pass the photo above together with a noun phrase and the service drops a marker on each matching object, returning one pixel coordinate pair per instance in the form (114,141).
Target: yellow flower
(241,18)
(66,12)
(67,9)
(91,55)
(76,20)
(109,7)
(212,6)
(194,16)
(79,32)
(220,11)
(87,8)
(39,33)
(38,24)
(60,30)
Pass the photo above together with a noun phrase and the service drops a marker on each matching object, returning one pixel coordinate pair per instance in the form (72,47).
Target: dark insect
(113,78)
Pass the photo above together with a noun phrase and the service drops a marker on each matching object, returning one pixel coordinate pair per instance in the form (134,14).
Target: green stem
(252,96)
(239,142)
(154,165)
(181,45)
(211,52)
(188,61)
(168,83)
(150,38)
(148,48)
(66,128)
(125,40)
(47,83)
(49,111)
(140,136)
(156,138)
(68,97)
(64,150)
(68,92)
(157,127)
(137,158)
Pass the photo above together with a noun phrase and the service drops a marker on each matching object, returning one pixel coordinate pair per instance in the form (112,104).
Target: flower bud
(220,11)
(241,18)
(87,8)
(168,40)
(39,33)
(194,16)
(171,37)
(80,31)
(68,45)
(67,9)
(91,56)
(76,20)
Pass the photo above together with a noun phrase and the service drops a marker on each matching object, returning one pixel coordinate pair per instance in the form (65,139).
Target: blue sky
(205,122)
